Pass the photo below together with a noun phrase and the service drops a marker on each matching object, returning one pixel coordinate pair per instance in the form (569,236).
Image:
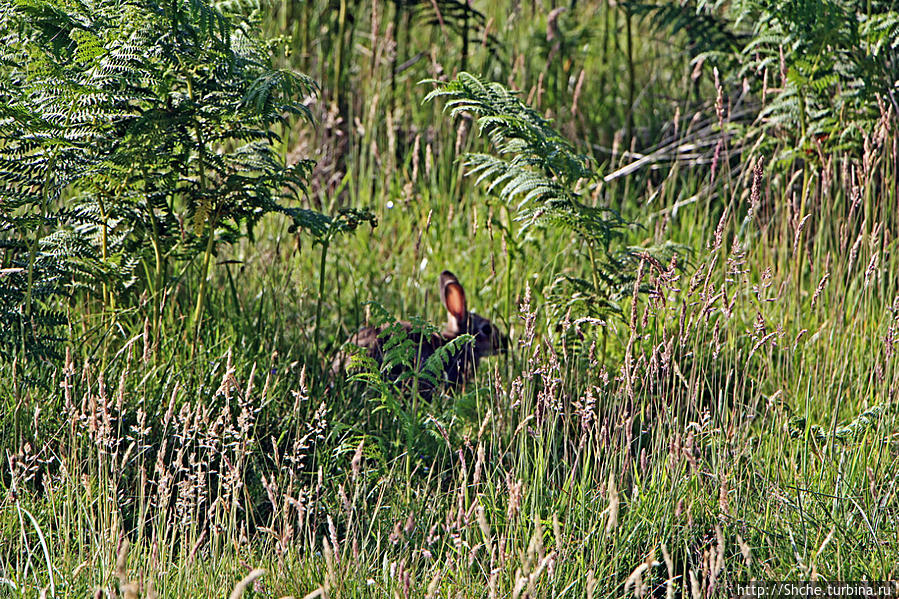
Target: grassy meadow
(689,237)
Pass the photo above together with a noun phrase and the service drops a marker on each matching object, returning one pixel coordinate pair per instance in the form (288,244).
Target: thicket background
(683,214)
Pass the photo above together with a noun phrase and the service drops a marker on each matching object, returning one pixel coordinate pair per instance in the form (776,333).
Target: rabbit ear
(453,296)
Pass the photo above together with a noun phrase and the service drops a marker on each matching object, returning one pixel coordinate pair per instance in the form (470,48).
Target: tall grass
(738,422)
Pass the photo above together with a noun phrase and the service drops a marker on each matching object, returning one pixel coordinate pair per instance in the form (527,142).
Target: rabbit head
(488,339)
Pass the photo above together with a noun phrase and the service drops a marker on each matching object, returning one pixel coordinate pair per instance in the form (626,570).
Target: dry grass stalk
(247,580)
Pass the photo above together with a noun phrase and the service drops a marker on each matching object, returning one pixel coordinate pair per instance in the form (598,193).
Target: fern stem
(158,275)
(33,244)
(591,253)
(210,240)
(201,292)
(338,67)
(802,115)
(32,255)
(104,245)
(325,242)
(631,83)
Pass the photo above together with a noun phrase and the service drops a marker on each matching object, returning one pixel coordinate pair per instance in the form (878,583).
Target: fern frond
(535,170)
(120,122)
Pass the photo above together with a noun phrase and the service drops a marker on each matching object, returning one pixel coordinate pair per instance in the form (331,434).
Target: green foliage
(135,134)
(463,19)
(823,70)
(405,376)
(740,425)
(706,32)
(402,367)
(38,332)
(826,69)
(538,172)
(324,228)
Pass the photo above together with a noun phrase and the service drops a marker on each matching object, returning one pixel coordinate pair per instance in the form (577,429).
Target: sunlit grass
(736,422)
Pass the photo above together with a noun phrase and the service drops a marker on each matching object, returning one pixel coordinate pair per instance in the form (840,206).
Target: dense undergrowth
(686,222)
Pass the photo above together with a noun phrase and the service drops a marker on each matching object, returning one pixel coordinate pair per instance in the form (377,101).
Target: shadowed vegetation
(683,215)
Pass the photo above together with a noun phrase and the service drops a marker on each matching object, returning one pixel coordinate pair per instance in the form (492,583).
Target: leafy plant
(402,378)
(538,173)
(461,18)
(705,31)
(133,138)
(823,67)
(324,230)
(401,368)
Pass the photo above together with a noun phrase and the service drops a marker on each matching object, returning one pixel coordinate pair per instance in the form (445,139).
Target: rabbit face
(488,339)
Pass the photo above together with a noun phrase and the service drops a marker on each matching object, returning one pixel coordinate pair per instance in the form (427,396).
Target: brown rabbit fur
(488,340)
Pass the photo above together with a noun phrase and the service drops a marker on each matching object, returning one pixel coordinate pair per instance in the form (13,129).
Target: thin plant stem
(201,292)
(631,74)
(325,242)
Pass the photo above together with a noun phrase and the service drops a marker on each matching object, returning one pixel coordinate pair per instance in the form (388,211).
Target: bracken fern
(536,171)
(133,137)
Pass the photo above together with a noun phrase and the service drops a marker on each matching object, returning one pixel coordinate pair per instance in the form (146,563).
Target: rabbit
(488,339)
